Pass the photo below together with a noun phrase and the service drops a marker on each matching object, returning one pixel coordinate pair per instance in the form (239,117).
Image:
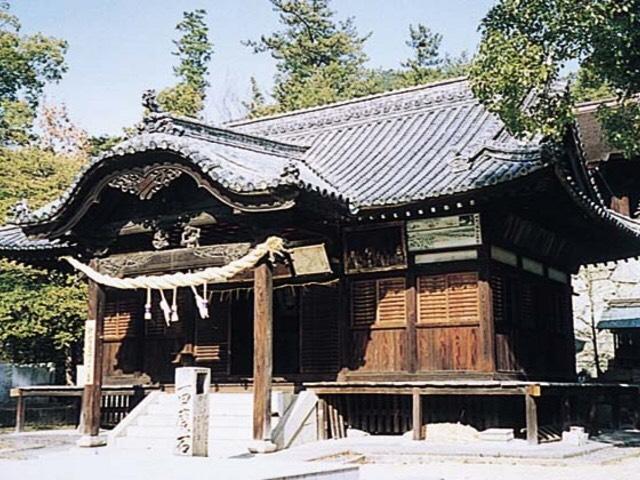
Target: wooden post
(418,421)
(92,393)
(531,413)
(487,328)
(20,412)
(565,412)
(263,350)
(615,410)
(322,419)
(411,312)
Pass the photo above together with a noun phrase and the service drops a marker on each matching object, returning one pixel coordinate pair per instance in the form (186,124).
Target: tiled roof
(405,145)
(240,163)
(13,238)
(621,313)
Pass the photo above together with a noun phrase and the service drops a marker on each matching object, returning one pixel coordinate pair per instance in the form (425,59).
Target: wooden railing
(117,400)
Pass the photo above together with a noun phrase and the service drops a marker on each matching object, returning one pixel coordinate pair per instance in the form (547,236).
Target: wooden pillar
(418,421)
(565,412)
(487,327)
(20,412)
(94,326)
(615,410)
(531,413)
(411,360)
(322,419)
(263,350)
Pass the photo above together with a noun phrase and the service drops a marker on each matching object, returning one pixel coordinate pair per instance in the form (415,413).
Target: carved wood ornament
(145,182)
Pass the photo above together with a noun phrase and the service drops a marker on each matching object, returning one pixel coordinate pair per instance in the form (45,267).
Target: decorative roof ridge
(22,215)
(463,158)
(362,107)
(389,93)
(169,124)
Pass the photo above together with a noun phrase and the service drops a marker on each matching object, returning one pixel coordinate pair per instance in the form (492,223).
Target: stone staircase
(151,425)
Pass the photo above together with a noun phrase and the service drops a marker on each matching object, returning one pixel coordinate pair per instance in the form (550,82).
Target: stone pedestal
(192,390)
(576,436)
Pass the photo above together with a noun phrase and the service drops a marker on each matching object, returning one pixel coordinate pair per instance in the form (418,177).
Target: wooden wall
(534,324)
(442,312)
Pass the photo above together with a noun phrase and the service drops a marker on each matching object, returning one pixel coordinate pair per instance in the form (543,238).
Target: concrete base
(262,446)
(576,436)
(496,435)
(92,441)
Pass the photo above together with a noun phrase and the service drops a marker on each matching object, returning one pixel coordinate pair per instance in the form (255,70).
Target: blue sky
(119,48)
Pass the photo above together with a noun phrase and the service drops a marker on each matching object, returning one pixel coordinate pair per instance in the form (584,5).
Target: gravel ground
(31,445)
(53,455)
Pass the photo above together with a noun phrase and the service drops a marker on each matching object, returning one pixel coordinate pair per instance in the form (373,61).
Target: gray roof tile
(405,145)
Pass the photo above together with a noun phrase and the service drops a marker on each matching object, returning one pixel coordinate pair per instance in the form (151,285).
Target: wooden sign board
(444,232)
(310,260)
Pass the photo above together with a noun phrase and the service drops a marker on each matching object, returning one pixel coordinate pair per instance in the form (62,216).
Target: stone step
(156,420)
(230,420)
(231,433)
(141,443)
(151,432)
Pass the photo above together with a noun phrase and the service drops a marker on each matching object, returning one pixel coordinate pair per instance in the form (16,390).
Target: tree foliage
(41,313)
(27,64)
(526,46)
(194,49)
(321,60)
(318,58)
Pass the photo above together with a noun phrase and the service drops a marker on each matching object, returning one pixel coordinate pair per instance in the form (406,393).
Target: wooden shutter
(381,301)
(527,304)
(319,333)
(448,298)
(363,303)
(499,297)
(391,301)
(121,314)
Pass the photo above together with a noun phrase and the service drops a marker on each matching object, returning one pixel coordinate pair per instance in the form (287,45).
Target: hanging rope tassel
(166,309)
(201,302)
(174,306)
(147,306)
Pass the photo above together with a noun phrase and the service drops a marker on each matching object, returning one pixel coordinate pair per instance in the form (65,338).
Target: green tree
(27,64)
(526,46)
(318,59)
(41,312)
(194,50)
(426,63)
(41,316)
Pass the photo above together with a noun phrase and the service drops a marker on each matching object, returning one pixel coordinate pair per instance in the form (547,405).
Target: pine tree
(194,49)
(319,59)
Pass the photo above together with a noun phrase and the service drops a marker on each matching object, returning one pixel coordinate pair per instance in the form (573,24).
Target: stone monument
(192,390)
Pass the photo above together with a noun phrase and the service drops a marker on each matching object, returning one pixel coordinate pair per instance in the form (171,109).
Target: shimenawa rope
(272,247)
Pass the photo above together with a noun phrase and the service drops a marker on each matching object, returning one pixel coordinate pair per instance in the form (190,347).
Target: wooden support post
(20,412)
(615,411)
(322,419)
(565,411)
(635,406)
(531,413)
(263,351)
(418,421)
(92,393)
(487,328)
(411,313)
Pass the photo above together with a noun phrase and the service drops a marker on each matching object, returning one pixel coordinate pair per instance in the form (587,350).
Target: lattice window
(381,302)
(448,298)
(121,314)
